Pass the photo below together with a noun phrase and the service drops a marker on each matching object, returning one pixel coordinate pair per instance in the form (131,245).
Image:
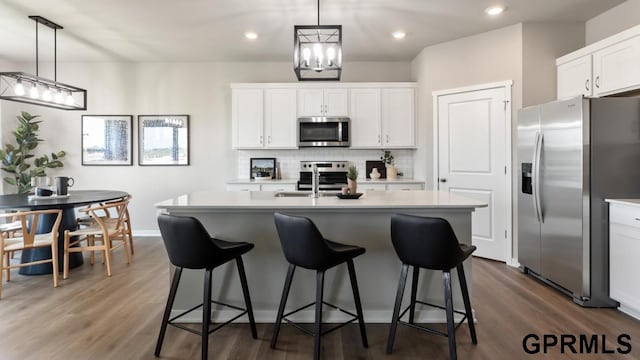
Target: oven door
(323,132)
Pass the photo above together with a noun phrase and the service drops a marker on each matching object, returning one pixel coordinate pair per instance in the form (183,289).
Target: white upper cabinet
(365,111)
(280,119)
(609,66)
(616,68)
(574,78)
(247,118)
(398,118)
(323,102)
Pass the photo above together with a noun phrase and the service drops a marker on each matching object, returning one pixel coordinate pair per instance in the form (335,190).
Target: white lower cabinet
(404,186)
(243,187)
(278,187)
(624,247)
(371,187)
(261,187)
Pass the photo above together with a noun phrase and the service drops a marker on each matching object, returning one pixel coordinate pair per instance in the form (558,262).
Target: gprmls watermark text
(575,344)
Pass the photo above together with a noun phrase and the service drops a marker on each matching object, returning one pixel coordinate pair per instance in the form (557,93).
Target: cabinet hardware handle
(260,139)
(378,139)
(598,82)
(586,85)
(387,139)
(326,109)
(443,180)
(321,108)
(637,219)
(269,139)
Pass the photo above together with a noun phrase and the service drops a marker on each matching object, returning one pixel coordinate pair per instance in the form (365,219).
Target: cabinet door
(365,109)
(624,246)
(280,118)
(412,186)
(247,118)
(243,187)
(617,68)
(278,187)
(336,102)
(310,102)
(398,118)
(364,186)
(574,78)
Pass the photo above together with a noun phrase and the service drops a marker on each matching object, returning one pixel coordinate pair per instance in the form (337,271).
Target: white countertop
(235,200)
(295,181)
(632,202)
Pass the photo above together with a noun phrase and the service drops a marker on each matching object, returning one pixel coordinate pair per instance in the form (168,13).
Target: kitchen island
(248,216)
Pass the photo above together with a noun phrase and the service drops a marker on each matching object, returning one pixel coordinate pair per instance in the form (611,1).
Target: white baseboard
(308,316)
(513,262)
(146,233)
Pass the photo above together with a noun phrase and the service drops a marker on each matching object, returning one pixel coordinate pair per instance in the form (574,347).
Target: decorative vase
(392,172)
(375,174)
(353,186)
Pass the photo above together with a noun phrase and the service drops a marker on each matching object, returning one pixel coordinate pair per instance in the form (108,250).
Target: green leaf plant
(19,161)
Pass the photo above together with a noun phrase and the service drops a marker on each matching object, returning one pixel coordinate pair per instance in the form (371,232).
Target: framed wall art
(163,139)
(262,168)
(107,140)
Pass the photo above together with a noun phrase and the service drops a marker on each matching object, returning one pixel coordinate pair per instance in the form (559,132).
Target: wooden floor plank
(94,317)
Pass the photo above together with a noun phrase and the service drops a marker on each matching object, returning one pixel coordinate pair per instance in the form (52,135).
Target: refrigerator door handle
(536,176)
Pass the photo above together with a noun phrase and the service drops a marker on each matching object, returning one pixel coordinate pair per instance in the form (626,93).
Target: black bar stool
(304,246)
(190,246)
(430,243)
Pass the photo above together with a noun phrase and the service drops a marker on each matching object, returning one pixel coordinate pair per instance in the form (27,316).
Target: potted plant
(352,177)
(389,162)
(16,159)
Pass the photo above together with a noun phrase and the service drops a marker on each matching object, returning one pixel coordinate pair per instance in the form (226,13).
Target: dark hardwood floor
(94,317)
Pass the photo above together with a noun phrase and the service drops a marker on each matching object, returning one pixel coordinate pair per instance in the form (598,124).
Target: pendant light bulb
(306,55)
(59,98)
(69,100)
(33,93)
(331,55)
(46,95)
(18,89)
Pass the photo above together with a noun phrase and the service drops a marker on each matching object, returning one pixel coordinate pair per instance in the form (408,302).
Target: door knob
(443,180)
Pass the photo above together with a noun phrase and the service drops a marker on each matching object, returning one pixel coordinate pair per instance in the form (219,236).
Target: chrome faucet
(315,180)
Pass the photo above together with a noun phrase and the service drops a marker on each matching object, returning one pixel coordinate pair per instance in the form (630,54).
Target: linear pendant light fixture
(33,89)
(317,51)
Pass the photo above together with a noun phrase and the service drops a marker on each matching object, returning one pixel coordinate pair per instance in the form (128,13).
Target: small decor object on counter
(349,196)
(387,158)
(375,174)
(352,177)
(262,168)
(370,164)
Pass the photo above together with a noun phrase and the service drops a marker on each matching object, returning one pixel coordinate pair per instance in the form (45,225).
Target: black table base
(44,226)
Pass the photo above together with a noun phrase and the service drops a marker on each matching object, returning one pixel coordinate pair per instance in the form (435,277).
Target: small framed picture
(262,168)
(163,139)
(107,140)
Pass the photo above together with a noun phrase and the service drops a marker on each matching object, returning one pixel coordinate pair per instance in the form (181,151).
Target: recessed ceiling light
(251,35)
(495,10)
(399,34)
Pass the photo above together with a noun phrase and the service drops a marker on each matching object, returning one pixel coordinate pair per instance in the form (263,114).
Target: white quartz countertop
(237,200)
(295,181)
(632,202)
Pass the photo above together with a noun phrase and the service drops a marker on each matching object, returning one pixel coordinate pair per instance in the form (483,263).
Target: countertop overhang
(266,200)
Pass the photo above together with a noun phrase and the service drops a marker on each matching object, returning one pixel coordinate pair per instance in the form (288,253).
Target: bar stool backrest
(426,242)
(302,242)
(187,242)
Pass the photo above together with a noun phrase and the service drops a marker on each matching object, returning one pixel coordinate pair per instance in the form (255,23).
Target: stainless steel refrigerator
(572,154)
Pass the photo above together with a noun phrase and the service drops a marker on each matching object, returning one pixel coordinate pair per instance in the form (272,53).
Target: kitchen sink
(301,194)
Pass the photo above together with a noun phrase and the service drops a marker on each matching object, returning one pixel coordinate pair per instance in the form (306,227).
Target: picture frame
(163,140)
(107,140)
(262,168)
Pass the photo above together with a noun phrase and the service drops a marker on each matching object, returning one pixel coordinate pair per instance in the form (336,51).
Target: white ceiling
(212,30)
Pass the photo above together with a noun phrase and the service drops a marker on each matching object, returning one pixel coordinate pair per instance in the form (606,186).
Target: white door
(574,78)
(280,118)
(615,68)
(472,161)
(365,110)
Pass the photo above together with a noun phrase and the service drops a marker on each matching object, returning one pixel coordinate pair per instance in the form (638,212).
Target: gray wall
(198,89)
(613,21)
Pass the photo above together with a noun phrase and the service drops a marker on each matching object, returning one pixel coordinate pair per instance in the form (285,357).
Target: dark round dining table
(67,204)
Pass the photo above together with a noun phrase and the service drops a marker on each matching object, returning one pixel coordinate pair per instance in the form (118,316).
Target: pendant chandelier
(33,89)
(317,51)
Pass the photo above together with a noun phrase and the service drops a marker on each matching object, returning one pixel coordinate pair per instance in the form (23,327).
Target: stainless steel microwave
(323,132)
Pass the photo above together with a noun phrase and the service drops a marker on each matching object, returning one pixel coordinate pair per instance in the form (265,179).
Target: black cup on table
(62,184)
(43,192)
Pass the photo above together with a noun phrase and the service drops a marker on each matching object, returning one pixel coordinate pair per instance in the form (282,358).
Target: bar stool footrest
(427,329)
(309,332)
(173,319)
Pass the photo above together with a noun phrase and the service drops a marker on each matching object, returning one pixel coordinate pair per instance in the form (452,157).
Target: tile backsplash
(289,160)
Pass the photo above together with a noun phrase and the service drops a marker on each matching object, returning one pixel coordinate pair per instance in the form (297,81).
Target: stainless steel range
(332,174)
